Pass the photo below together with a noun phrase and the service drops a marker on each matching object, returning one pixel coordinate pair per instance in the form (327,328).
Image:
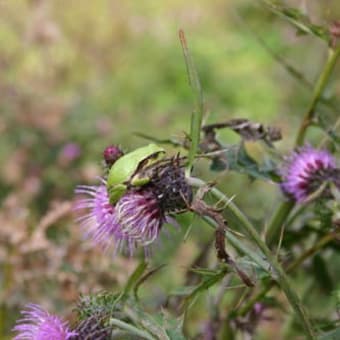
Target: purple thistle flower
(138,216)
(38,324)
(135,220)
(305,171)
(100,222)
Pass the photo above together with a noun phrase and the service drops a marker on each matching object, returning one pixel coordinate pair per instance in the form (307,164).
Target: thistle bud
(111,154)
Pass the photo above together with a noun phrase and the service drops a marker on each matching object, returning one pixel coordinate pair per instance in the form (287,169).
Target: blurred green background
(78,75)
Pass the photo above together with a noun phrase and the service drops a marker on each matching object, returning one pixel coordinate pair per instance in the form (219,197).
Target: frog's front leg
(116,192)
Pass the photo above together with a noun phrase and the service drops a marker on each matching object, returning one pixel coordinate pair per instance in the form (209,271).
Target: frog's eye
(111,154)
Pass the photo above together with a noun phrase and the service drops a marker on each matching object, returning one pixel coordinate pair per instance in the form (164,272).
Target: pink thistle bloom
(135,220)
(305,171)
(140,216)
(37,324)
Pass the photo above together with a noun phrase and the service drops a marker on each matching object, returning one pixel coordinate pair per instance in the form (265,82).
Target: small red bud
(111,154)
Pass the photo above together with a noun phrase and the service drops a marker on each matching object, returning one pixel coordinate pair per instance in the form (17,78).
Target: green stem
(278,273)
(277,220)
(294,265)
(317,93)
(131,329)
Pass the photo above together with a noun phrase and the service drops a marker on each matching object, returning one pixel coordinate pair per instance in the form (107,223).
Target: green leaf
(298,19)
(196,116)
(237,159)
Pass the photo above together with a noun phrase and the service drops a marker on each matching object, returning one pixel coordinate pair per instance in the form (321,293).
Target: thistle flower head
(137,217)
(99,220)
(135,220)
(37,324)
(140,216)
(305,171)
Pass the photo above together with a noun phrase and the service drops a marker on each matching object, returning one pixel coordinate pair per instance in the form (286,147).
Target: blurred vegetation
(78,75)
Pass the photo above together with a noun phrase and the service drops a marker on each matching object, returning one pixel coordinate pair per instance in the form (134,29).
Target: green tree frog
(127,169)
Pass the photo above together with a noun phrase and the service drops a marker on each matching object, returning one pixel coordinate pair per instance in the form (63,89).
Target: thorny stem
(295,264)
(278,273)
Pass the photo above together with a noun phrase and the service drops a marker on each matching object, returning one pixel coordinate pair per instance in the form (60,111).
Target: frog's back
(125,166)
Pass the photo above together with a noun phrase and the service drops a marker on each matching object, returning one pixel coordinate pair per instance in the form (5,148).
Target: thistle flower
(138,216)
(305,171)
(136,219)
(100,222)
(37,324)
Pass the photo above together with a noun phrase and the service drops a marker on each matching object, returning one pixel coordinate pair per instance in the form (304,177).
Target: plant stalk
(317,94)
(277,271)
